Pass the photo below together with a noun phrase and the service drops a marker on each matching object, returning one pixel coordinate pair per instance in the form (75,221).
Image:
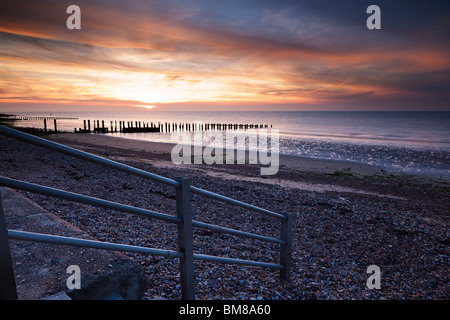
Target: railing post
(285,251)
(185,245)
(8,290)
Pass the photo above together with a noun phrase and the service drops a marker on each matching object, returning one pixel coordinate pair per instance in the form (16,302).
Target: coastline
(295,172)
(346,217)
(294,162)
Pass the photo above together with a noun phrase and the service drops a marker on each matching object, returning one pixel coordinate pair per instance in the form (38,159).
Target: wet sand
(288,161)
(140,151)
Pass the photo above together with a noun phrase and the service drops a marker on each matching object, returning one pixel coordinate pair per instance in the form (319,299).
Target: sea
(406,142)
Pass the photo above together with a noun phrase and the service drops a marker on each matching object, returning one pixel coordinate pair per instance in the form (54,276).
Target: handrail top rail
(25,137)
(28,138)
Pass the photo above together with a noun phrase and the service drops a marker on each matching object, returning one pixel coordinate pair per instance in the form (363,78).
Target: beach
(347,217)
(254,150)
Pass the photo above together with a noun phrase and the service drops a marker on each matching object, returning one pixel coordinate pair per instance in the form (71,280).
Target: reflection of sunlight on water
(212,138)
(398,158)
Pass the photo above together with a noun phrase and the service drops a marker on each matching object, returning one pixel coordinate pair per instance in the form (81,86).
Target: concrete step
(41,270)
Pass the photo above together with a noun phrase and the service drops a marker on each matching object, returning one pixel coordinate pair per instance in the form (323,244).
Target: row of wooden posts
(141,126)
(136,126)
(27,118)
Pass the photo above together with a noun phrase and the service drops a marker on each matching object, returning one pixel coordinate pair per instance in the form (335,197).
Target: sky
(224,55)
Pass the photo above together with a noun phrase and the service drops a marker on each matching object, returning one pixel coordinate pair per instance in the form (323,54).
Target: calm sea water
(411,142)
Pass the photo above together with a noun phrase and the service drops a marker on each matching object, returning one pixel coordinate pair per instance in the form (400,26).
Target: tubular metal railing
(183,220)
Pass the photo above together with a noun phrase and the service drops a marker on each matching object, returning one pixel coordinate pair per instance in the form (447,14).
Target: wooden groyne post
(141,126)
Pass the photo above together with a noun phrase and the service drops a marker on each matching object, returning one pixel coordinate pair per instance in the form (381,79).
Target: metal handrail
(46,238)
(25,137)
(219,197)
(123,167)
(35,188)
(76,242)
(183,218)
(57,193)
(244,234)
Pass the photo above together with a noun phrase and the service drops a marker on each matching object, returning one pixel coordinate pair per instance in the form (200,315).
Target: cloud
(279,51)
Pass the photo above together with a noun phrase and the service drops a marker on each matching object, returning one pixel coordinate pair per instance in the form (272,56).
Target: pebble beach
(347,217)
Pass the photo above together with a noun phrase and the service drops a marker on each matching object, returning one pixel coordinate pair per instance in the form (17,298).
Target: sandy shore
(286,163)
(293,162)
(346,218)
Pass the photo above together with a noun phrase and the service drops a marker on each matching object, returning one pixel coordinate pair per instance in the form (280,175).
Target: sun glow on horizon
(146,107)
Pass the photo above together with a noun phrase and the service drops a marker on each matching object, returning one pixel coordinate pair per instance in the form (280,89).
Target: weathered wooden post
(45,125)
(54,121)
(286,248)
(183,207)
(8,289)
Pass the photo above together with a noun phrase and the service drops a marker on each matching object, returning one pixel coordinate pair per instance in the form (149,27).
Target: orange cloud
(172,54)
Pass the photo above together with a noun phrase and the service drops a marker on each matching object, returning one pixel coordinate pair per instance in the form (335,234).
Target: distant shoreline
(393,143)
